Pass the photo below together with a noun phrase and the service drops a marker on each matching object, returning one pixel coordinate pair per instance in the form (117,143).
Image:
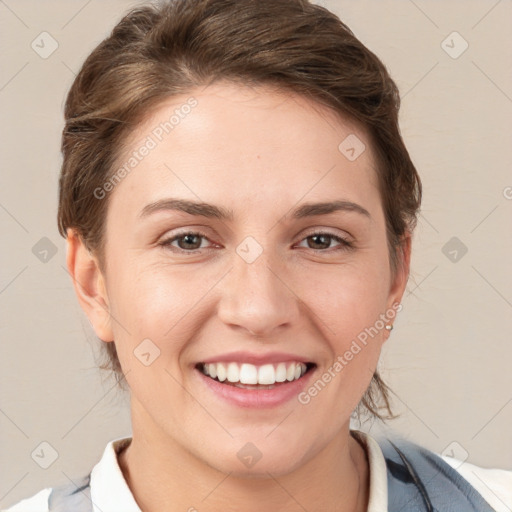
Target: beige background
(448,358)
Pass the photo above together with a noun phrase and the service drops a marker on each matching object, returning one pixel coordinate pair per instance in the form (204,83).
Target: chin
(256,460)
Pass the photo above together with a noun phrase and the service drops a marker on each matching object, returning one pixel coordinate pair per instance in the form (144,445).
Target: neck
(165,477)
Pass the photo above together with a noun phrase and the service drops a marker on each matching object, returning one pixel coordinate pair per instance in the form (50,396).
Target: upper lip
(256,359)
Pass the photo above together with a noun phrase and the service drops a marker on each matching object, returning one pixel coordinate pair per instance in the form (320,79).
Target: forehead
(262,143)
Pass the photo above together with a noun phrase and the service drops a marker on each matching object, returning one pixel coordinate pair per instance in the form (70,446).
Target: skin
(261,154)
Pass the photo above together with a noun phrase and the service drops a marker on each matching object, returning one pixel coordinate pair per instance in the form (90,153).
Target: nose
(258,298)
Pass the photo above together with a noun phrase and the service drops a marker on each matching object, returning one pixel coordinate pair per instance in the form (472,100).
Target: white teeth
(245,373)
(233,373)
(280,372)
(221,371)
(248,374)
(266,374)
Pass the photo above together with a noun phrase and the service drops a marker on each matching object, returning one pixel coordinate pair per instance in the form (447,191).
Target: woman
(238,205)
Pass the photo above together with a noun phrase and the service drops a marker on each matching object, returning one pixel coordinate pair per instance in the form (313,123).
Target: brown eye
(320,241)
(323,241)
(186,242)
(189,241)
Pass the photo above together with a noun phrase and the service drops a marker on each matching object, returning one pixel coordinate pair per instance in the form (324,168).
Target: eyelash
(345,244)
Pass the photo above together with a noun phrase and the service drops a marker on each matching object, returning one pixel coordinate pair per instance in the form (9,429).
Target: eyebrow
(211,211)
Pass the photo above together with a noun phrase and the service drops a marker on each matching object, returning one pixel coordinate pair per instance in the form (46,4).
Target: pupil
(322,237)
(187,244)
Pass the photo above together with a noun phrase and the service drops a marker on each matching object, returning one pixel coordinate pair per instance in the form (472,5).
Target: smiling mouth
(249,376)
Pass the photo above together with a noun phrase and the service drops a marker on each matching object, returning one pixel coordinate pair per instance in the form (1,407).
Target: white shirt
(110,492)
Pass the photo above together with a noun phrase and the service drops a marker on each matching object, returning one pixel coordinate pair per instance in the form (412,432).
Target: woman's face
(249,235)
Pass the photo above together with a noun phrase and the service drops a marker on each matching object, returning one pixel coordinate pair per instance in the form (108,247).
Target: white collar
(378,497)
(110,492)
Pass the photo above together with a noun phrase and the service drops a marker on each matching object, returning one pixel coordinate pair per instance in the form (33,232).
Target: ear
(89,284)
(401,276)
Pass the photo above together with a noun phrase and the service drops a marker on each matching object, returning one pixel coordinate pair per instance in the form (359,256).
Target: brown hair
(156,52)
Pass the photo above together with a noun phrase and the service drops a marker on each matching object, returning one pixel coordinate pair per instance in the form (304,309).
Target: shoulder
(444,480)
(495,485)
(36,503)
(73,495)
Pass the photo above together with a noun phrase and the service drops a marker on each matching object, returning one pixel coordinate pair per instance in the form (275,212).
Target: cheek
(147,306)
(348,303)
(347,299)
(159,302)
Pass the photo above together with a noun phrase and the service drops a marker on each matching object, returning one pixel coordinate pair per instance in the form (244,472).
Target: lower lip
(257,398)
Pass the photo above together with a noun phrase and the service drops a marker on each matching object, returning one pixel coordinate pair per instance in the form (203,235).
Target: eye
(322,240)
(187,242)
(193,241)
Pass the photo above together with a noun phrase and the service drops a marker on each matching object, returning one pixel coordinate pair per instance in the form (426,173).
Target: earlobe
(89,284)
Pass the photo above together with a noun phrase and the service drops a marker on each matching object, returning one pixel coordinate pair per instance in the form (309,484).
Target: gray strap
(420,481)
